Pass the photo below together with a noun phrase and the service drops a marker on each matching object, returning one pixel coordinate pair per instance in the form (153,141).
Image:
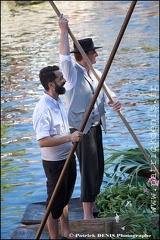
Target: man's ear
(50,84)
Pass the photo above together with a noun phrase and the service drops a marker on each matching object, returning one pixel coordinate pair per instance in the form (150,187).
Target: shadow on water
(30,41)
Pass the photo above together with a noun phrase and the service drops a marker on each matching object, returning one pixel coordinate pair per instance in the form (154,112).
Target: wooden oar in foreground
(153,167)
(100,84)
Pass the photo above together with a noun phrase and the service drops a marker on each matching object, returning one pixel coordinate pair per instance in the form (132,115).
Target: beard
(60,89)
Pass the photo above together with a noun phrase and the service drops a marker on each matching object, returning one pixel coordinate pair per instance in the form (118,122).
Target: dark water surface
(30,41)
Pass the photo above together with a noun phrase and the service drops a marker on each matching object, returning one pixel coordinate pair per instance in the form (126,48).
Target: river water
(30,41)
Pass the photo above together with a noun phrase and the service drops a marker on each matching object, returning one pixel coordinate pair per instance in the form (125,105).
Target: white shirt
(70,74)
(50,119)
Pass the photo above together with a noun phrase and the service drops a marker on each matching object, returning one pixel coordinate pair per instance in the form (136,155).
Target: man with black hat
(80,87)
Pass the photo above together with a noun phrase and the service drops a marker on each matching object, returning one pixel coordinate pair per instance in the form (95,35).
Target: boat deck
(98,228)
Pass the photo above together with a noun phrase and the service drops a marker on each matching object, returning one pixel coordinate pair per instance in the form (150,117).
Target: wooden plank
(98,228)
(92,229)
(87,228)
(28,232)
(34,212)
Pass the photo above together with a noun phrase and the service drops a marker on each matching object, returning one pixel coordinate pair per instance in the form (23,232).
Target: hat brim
(76,51)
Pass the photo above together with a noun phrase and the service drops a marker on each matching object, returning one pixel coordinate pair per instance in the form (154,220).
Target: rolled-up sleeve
(42,129)
(41,125)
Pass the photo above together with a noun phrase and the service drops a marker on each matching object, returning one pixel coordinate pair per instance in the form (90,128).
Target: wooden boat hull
(98,228)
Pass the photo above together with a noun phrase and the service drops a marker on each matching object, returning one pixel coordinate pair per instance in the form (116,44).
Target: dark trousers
(53,170)
(91,161)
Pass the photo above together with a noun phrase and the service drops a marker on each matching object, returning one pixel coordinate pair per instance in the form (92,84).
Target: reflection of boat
(28,2)
(91,229)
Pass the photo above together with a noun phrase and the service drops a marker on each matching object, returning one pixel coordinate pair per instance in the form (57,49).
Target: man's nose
(64,80)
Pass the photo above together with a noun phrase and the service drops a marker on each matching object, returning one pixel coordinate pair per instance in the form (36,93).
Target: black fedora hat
(87,45)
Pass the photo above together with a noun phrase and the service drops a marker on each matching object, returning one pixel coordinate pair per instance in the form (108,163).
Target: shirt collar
(82,68)
(49,98)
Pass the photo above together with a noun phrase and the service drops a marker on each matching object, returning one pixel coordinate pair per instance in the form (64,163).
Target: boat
(97,228)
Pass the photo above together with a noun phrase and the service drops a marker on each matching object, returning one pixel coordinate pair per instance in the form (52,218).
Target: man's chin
(62,91)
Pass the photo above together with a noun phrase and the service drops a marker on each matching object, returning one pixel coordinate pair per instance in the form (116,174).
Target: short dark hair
(78,56)
(47,75)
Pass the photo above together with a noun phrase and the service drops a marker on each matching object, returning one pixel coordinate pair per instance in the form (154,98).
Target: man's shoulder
(42,105)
